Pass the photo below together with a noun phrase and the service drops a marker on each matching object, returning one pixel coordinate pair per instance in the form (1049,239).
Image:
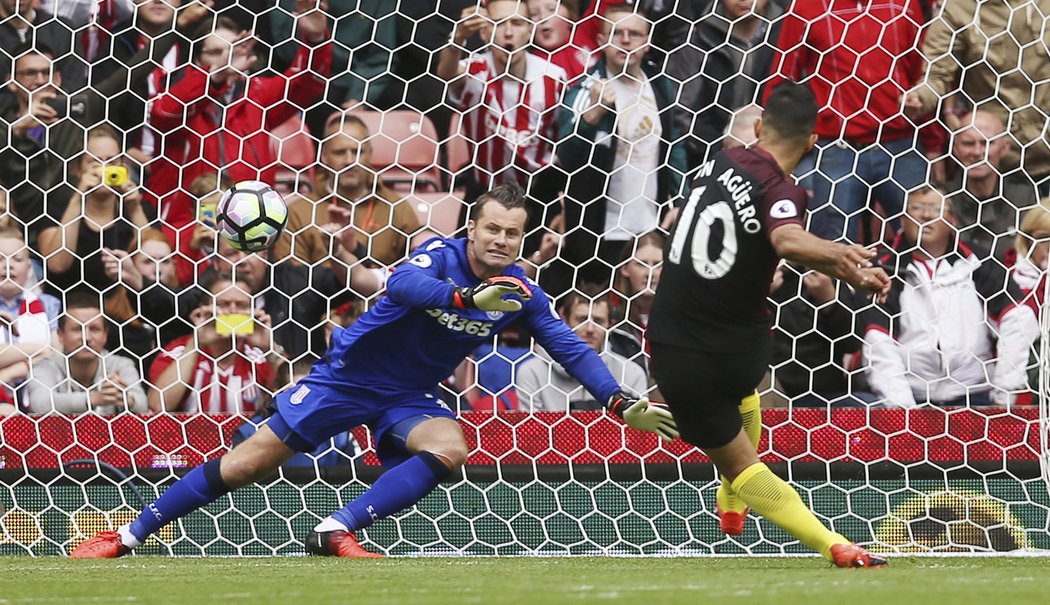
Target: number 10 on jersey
(702,263)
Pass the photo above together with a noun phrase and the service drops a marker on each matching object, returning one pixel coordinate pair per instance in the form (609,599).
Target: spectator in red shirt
(590,22)
(509,98)
(554,20)
(859,58)
(220,374)
(214,116)
(117,48)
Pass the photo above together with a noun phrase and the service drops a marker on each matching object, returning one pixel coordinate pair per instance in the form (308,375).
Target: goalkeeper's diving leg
(419,451)
(771,497)
(257,457)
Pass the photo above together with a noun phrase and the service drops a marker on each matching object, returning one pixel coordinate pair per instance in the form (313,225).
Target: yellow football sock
(771,497)
(751,415)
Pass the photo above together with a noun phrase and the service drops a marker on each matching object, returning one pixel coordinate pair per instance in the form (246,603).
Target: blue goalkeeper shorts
(312,411)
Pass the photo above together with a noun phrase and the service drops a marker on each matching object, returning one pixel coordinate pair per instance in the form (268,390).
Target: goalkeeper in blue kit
(451,296)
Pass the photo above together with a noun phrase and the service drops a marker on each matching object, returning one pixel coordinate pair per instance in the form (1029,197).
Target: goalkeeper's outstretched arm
(418,282)
(584,364)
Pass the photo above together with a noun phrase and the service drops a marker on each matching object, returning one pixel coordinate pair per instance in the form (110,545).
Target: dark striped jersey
(719,260)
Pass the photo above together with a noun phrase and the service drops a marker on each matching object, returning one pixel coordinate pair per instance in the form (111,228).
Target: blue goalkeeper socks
(398,488)
(199,487)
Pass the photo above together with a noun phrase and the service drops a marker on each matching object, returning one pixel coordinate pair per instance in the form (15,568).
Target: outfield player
(710,324)
(447,299)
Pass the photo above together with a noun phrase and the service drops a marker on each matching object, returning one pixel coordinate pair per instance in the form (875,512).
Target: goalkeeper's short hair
(510,196)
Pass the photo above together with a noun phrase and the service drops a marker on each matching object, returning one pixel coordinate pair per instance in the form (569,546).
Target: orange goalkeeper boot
(851,555)
(337,543)
(105,545)
(732,522)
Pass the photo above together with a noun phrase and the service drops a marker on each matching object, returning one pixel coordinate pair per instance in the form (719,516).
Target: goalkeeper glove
(644,415)
(488,295)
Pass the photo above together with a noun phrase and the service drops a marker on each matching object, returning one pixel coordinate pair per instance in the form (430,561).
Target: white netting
(327,105)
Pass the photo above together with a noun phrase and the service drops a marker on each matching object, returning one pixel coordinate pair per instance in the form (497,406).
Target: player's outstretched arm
(644,415)
(849,262)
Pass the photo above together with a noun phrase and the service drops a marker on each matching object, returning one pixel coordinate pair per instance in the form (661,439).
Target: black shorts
(704,389)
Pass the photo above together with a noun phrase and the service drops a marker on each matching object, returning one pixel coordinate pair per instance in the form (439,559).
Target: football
(251,216)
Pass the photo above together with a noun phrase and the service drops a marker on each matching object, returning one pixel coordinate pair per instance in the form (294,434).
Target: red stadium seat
(296,155)
(440,211)
(404,149)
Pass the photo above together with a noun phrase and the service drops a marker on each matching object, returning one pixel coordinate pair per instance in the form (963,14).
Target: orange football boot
(105,545)
(851,555)
(732,522)
(337,543)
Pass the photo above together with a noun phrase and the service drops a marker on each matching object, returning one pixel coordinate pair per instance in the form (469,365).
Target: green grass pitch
(532,581)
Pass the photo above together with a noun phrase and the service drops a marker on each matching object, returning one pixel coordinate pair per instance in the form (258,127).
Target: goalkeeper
(450,297)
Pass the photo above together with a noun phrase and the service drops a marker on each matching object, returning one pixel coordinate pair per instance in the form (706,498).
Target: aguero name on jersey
(720,260)
(413,338)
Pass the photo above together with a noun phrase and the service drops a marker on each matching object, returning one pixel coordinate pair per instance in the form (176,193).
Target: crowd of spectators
(118,296)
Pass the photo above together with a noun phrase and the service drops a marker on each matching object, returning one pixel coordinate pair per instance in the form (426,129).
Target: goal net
(82,453)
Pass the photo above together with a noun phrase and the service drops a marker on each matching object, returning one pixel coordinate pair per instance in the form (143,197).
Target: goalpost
(904,481)
(1044,384)
(898,481)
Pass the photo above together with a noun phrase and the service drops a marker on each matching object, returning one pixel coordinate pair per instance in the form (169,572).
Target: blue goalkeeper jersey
(413,338)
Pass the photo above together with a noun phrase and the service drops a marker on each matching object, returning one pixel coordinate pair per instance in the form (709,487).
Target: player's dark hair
(791,111)
(80,300)
(510,196)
